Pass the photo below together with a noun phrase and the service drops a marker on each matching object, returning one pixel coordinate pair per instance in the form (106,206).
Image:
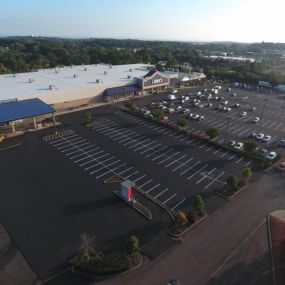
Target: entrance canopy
(16,110)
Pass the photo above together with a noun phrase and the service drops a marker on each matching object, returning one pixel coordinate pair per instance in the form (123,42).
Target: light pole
(263,109)
(226,135)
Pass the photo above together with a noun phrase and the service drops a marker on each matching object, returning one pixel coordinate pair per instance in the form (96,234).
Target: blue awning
(17,110)
(121,90)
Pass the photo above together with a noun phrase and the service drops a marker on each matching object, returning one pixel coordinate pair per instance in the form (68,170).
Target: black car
(173,282)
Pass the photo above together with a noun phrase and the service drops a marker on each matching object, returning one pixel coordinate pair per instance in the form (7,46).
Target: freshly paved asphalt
(205,248)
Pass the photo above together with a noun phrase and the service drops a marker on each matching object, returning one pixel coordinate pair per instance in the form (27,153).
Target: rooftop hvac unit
(130,70)
(51,87)
(105,72)
(31,80)
(75,75)
(110,66)
(97,81)
(85,69)
(129,76)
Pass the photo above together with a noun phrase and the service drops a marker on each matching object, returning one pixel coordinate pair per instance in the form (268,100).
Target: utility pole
(226,135)
(263,109)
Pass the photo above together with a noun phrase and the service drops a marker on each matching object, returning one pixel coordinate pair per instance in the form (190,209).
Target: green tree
(129,105)
(250,146)
(246,174)
(158,113)
(212,132)
(88,117)
(199,204)
(232,182)
(133,245)
(182,122)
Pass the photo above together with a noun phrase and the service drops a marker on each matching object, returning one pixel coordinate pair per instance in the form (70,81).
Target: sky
(183,20)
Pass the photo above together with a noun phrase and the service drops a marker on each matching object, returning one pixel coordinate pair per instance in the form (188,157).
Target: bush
(212,132)
(133,245)
(232,182)
(181,218)
(247,173)
(250,146)
(88,117)
(129,105)
(192,217)
(182,122)
(199,204)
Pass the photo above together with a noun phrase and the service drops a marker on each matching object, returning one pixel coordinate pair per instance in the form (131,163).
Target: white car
(174,91)
(252,108)
(255,120)
(231,143)
(281,142)
(242,114)
(259,136)
(179,107)
(193,116)
(271,155)
(266,138)
(238,145)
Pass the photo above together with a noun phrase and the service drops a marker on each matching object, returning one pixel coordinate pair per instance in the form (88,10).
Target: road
(205,248)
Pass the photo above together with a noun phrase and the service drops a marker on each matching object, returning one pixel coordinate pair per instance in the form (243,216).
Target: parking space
(95,161)
(204,150)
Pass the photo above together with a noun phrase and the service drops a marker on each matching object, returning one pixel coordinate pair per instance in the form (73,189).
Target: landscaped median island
(91,262)
(185,221)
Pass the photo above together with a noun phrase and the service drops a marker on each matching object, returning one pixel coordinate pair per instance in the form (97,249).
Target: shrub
(181,218)
(247,173)
(232,182)
(192,217)
(129,105)
(133,245)
(182,122)
(212,132)
(158,113)
(250,146)
(88,117)
(199,204)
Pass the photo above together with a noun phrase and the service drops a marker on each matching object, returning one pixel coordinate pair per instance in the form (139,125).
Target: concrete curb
(233,195)
(271,250)
(176,236)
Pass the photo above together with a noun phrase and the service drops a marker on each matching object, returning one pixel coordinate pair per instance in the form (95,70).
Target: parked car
(200,118)
(266,138)
(242,114)
(281,166)
(231,143)
(193,116)
(271,155)
(259,136)
(238,145)
(174,91)
(281,142)
(252,135)
(252,108)
(173,282)
(255,120)
(263,152)
(236,105)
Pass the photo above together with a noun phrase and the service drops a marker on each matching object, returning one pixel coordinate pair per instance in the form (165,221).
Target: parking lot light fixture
(263,109)
(226,134)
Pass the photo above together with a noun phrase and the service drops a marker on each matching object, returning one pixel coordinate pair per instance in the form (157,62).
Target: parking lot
(237,123)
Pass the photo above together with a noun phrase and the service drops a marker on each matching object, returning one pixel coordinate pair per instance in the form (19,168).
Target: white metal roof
(67,78)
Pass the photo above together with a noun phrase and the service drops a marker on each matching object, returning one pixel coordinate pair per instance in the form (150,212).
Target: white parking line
(64,142)
(190,168)
(248,163)
(68,144)
(165,190)
(157,157)
(75,146)
(182,164)
(178,204)
(238,161)
(206,176)
(177,160)
(198,171)
(139,178)
(215,179)
(112,170)
(63,139)
(240,134)
(79,150)
(150,149)
(145,145)
(145,183)
(152,188)
(168,199)
(134,173)
(160,149)
(98,163)
(271,125)
(125,170)
(231,157)
(105,166)
(136,140)
(277,127)
(78,155)
(87,156)
(168,157)
(224,154)
(237,130)
(135,137)
(122,134)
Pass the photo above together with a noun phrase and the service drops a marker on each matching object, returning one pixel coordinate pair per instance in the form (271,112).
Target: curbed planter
(188,228)
(91,275)
(233,195)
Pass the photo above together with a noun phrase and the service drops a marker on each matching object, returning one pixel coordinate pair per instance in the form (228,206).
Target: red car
(281,166)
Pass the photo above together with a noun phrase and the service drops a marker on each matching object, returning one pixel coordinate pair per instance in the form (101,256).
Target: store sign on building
(156,81)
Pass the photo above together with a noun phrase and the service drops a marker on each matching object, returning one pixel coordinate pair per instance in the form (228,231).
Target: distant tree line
(23,54)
